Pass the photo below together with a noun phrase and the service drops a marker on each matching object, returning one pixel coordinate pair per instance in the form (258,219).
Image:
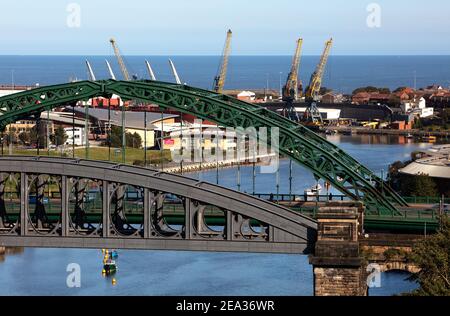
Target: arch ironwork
(99,204)
(324,159)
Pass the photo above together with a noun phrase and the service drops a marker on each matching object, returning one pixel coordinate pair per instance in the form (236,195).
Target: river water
(43,271)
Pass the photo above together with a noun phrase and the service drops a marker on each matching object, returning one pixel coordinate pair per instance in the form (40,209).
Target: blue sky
(198,27)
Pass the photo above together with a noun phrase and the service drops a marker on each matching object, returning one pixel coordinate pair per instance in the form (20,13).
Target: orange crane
(119,57)
(219,80)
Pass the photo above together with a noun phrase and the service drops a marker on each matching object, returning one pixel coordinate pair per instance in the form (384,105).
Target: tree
(418,185)
(365,89)
(10,138)
(418,123)
(432,257)
(445,117)
(394,101)
(38,136)
(132,140)
(400,89)
(60,136)
(372,89)
(116,136)
(25,137)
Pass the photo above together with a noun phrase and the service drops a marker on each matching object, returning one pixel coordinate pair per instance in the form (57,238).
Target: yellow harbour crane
(219,80)
(312,116)
(292,90)
(123,68)
(316,79)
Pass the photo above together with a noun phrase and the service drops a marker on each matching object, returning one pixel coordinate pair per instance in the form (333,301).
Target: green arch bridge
(324,159)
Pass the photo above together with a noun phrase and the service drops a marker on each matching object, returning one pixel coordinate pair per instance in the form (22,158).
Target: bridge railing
(426,200)
(428,214)
(300,197)
(338,197)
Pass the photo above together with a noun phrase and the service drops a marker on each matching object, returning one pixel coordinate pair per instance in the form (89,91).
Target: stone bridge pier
(338,265)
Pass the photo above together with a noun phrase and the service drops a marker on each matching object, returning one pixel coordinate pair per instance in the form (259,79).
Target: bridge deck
(283,230)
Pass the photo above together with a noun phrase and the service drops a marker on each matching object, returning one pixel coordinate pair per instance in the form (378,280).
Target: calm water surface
(343,73)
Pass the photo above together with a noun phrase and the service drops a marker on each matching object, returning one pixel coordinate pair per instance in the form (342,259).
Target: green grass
(132,155)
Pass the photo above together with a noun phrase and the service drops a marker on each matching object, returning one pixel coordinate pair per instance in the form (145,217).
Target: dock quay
(362,130)
(193,167)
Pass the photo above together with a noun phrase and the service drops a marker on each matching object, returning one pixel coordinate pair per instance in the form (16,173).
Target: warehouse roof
(132,119)
(436,165)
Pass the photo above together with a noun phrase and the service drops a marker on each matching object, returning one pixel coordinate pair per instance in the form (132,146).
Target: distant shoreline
(368,131)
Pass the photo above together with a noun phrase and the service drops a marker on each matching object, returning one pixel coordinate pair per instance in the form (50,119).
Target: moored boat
(114,254)
(313,191)
(110,267)
(430,139)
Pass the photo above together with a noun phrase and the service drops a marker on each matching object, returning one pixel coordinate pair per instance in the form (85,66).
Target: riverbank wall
(369,131)
(194,167)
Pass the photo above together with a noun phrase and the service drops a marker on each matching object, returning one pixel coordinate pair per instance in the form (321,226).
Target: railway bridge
(106,205)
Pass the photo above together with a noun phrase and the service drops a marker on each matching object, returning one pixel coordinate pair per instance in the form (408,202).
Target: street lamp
(281,89)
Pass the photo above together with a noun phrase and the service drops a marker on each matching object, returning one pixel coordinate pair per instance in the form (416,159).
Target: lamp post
(281,88)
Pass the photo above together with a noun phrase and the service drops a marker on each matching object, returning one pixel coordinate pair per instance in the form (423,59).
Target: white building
(77,133)
(435,164)
(247,96)
(7,90)
(327,114)
(426,112)
(417,106)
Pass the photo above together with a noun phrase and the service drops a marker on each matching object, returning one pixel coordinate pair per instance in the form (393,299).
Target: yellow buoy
(114,281)
(103,271)
(103,250)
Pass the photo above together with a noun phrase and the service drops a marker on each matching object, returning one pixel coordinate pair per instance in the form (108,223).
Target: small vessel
(409,135)
(114,254)
(110,267)
(430,139)
(313,191)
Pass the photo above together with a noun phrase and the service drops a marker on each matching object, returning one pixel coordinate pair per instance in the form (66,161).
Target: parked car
(445,207)
(32,199)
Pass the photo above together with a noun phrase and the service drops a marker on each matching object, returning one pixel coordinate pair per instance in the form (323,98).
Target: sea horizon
(344,73)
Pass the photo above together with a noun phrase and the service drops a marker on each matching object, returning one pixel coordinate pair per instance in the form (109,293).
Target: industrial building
(434,163)
(340,111)
(417,107)
(145,124)
(76,136)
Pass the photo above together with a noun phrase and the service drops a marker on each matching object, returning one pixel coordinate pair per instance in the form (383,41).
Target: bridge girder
(324,159)
(115,220)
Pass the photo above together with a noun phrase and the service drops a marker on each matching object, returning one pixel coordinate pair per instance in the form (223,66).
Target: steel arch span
(324,159)
(63,202)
